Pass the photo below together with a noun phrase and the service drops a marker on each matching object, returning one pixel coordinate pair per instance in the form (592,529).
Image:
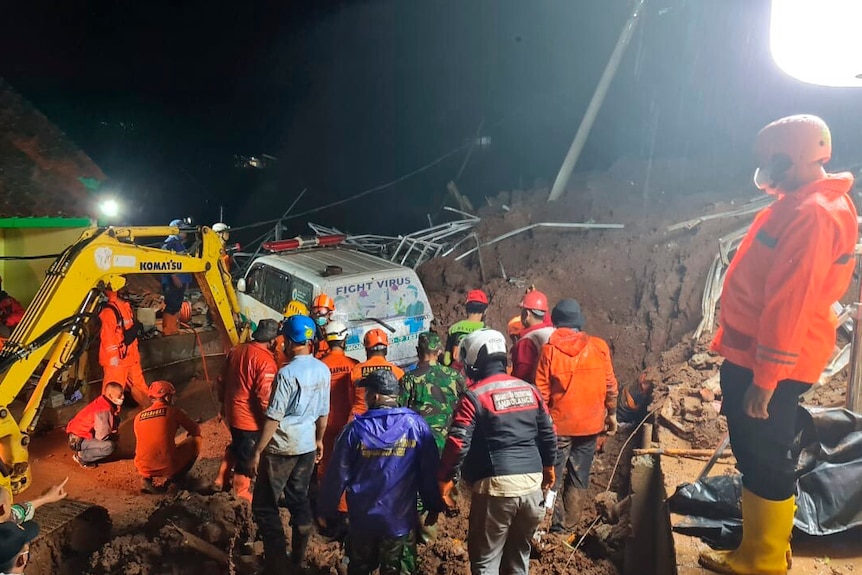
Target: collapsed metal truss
(413,249)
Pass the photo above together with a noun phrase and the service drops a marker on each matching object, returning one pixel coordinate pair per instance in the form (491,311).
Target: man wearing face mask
(777,328)
(15,546)
(93,431)
(322,309)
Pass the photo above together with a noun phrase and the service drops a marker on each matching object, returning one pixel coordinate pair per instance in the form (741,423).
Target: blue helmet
(176,223)
(298,328)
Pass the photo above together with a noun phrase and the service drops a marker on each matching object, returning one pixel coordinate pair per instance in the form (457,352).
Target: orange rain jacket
(794,262)
(360,370)
(340,400)
(246,384)
(156,453)
(112,350)
(576,379)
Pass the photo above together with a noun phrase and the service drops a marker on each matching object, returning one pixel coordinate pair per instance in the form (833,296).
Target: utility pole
(596,103)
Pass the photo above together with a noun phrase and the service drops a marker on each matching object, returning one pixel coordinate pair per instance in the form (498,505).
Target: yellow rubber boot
(765,547)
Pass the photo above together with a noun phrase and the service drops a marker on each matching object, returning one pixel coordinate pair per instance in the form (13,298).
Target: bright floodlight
(818,41)
(110,208)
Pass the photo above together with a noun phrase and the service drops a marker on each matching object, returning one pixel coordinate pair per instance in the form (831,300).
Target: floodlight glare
(110,208)
(818,41)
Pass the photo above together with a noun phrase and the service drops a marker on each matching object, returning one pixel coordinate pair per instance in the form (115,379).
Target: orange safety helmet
(477,296)
(376,337)
(535,301)
(324,300)
(515,327)
(803,138)
(160,389)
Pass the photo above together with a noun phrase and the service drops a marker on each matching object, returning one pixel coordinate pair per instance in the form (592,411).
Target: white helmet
(489,340)
(336,331)
(220,227)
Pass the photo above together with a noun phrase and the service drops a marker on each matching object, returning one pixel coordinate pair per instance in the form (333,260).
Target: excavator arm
(55,323)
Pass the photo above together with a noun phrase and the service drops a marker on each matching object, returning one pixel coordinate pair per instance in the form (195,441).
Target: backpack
(131,334)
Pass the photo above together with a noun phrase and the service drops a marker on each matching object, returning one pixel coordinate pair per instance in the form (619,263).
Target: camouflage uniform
(432,391)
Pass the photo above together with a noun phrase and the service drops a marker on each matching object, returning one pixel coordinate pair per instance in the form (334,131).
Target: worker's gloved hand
(446,494)
(549,477)
(431,519)
(611,424)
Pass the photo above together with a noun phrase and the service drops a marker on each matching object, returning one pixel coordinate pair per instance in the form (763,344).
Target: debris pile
(191,533)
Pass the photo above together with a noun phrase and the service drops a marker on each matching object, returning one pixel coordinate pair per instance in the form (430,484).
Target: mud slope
(640,287)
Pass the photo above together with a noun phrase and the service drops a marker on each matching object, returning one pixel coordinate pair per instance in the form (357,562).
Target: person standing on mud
(290,444)
(777,328)
(476,306)
(502,441)
(576,378)
(243,390)
(376,344)
(382,460)
(537,330)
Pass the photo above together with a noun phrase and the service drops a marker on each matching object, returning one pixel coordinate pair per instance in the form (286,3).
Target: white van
(369,292)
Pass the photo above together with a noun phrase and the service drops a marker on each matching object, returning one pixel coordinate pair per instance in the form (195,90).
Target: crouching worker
(93,431)
(157,454)
(382,460)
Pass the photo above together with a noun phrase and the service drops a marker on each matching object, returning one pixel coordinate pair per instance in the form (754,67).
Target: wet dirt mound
(186,534)
(640,287)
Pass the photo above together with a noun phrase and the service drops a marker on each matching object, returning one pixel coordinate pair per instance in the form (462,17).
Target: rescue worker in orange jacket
(243,390)
(157,454)
(118,348)
(777,329)
(376,345)
(93,431)
(11,312)
(340,389)
(537,330)
(322,309)
(576,379)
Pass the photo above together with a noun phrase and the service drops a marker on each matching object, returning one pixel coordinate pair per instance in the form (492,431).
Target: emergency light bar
(299,242)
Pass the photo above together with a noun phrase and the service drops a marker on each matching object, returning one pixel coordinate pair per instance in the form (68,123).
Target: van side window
(269,286)
(302,291)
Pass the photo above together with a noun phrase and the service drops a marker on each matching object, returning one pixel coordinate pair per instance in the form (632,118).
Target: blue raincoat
(383,459)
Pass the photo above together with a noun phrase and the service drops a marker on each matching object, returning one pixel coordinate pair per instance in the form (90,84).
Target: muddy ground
(640,288)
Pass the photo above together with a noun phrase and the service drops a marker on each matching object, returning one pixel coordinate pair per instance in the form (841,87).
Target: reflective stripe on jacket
(576,378)
(500,427)
(112,350)
(795,261)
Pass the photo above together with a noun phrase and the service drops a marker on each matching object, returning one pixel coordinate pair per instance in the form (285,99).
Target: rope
(610,482)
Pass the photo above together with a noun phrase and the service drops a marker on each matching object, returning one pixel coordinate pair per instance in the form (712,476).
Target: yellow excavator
(54,331)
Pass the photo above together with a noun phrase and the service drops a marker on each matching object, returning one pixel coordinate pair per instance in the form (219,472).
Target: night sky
(350,95)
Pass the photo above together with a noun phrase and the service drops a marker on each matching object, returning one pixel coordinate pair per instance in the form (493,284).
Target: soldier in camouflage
(432,390)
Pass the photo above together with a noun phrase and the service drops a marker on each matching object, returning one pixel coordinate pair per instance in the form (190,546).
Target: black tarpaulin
(829,483)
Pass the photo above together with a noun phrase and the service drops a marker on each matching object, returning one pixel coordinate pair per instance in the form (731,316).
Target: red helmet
(477,296)
(324,300)
(376,337)
(535,301)
(160,389)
